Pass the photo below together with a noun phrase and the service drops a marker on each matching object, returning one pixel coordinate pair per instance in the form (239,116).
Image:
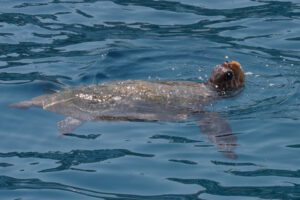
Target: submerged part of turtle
(136,100)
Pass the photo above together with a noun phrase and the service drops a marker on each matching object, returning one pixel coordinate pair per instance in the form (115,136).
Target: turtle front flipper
(68,125)
(219,132)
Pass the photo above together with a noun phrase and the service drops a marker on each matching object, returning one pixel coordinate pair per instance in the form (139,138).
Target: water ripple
(174,139)
(49,45)
(14,78)
(10,183)
(268,172)
(265,192)
(75,157)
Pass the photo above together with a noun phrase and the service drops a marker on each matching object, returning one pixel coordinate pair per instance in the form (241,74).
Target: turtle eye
(228,76)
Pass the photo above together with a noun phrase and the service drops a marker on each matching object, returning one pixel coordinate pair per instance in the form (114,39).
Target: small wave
(75,157)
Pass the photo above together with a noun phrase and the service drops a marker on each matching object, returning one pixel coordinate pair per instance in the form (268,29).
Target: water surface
(47,46)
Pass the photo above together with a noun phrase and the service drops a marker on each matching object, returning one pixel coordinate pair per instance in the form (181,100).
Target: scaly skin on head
(227,77)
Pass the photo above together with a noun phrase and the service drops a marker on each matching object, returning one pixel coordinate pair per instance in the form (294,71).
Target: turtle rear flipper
(37,101)
(25,104)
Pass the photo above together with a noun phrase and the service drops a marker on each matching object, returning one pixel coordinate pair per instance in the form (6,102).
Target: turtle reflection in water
(137,100)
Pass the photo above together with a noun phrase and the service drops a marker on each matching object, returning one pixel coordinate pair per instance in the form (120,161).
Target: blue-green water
(47,46)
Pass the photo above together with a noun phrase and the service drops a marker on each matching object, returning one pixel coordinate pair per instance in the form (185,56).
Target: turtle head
(228,76)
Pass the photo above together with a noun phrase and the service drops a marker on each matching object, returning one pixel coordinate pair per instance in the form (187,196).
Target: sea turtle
(138,100)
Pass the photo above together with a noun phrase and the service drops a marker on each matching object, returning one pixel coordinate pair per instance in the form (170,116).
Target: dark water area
(47,46)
